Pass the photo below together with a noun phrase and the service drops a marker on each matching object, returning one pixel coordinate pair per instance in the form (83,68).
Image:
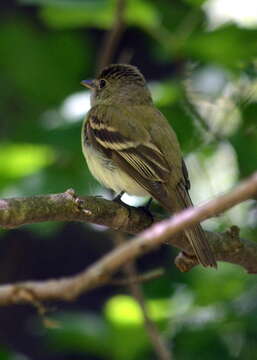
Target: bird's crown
(123,72)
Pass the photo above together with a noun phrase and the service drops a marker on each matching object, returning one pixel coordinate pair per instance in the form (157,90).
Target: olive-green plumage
(129,146)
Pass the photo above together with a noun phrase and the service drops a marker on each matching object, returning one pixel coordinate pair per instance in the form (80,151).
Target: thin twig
(155,337)
(140,278)
(112,37)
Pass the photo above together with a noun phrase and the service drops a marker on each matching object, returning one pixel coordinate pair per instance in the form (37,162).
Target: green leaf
(42,68)
(84,3)
(195,3)
(249,114)
(245,141)
(4,355)
(89,333)
(99,14)
(142,13)
(82,332)
(165,93)
(18,160)
(229,281)
(126,318)
(124,310)
(230,46)
(188,134)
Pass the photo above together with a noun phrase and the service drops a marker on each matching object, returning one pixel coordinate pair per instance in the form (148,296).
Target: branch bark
(227,246)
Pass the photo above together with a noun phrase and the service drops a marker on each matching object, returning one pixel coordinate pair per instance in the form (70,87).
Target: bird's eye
(102,83)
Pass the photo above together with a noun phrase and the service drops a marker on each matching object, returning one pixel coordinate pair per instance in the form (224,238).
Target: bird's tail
(195,234)
(200,245)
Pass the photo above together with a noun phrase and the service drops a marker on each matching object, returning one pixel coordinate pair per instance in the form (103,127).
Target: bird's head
(119,84)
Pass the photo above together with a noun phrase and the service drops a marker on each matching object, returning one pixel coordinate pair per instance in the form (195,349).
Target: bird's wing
(130,146)
(156,165)
(185,175)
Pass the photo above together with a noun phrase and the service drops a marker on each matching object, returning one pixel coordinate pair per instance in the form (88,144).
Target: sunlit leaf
(158,309)
(99,14)
(142,13)
(17,160)
(123,309)
(125,315)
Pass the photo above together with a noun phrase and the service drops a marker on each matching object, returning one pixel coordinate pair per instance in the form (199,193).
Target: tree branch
(227,246)
(68,207)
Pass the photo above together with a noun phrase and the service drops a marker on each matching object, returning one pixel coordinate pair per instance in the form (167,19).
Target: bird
(130,147)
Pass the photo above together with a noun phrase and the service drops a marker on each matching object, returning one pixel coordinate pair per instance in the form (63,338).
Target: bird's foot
(118,197)
(118,200)
(146,209)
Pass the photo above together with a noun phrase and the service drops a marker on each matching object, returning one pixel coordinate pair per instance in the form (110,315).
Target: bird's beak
(88,83)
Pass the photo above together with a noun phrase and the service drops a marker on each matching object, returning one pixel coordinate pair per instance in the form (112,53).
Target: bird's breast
(109,174)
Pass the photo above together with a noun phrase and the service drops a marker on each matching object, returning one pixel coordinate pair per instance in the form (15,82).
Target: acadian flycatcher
(130,147)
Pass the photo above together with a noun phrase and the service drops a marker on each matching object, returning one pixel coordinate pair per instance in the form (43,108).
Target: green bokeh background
(203,78)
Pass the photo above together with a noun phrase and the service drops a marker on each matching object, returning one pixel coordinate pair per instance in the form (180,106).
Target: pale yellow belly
(109,175)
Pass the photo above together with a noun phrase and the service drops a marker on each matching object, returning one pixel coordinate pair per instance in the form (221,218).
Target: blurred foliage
(203,78)
(209,46)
